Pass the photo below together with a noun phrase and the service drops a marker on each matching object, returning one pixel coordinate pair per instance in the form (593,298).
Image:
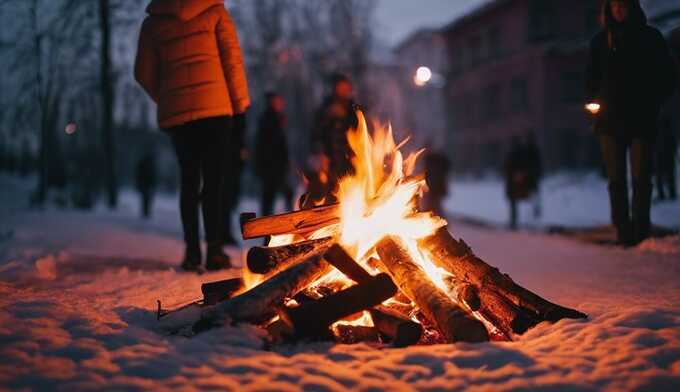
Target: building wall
(517,66)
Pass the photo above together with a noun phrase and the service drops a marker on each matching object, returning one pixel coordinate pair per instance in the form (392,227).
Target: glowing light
(593,107)
(71,128)
(423,76)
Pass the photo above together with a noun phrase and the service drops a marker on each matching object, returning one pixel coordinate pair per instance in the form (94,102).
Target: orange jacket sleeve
(147,66)
(232,63)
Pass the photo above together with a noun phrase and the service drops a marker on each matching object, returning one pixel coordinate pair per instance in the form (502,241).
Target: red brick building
(518,66)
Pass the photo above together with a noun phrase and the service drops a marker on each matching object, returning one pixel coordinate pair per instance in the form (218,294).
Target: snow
(568,200)
(78,291)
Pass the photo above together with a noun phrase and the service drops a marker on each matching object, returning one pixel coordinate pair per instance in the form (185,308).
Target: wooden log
(458,259)
(296,222)
(313,318)
(465,293)
(268,260)
(353,334)
(455,323)
(259,303)
(340,259)
(507,317)
(400,330)
(214,292)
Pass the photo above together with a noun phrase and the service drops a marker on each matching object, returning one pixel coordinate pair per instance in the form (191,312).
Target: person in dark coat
(630,74)
(332,120)
(437,167)
(535,169)
(666,155)
(146,181)
(271,155)
(235,158)
(519,183)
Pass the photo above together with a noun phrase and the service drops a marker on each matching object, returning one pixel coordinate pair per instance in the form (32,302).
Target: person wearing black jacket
(630,75)
(271,155)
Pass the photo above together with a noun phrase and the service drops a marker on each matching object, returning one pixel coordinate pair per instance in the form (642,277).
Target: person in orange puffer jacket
(189,61)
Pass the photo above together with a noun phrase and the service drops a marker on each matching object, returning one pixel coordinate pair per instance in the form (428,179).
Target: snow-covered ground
(78,291)
(569,200)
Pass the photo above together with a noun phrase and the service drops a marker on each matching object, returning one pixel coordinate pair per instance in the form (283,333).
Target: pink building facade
(517,67)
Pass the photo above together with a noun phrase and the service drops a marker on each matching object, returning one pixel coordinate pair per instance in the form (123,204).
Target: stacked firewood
(405,306)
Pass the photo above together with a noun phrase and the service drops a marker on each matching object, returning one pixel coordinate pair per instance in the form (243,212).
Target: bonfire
(372,267)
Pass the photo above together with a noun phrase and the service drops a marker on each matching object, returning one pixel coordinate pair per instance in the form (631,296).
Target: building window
(572,87)
(542,21)
(519,94)
(494,42)
(474,50)
(492,102)
(592,17)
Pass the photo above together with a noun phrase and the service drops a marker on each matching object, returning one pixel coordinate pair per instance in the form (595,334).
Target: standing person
(517,178)
(535,171)
(630,74)
(437,167)
(271,154)
(236,155)
(333,119)
(146,181)
(189,62)
(666,155)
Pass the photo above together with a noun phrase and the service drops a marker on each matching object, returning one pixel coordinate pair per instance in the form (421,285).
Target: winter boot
(217,259)
(192,260)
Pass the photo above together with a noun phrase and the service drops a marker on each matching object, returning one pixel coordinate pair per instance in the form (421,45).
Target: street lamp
(423,76)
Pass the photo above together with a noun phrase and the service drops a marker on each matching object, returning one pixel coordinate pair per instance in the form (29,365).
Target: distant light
(71,128)
(593,107)
(423,76)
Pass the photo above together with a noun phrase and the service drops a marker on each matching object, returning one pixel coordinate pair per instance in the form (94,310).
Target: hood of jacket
(181,9)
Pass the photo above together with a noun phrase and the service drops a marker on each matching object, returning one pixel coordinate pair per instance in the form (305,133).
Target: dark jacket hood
(181,9)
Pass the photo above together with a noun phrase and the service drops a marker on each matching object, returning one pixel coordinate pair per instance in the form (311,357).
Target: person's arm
(232,62)
(594,71)
(666,66)
(147,63)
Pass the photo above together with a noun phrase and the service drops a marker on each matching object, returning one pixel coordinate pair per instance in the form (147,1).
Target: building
(517,67)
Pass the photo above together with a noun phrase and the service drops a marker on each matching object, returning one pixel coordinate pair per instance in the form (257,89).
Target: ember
(372,265)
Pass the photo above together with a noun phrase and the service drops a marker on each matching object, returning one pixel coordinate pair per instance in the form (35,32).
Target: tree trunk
(267,260)
(296,222)
(107,103)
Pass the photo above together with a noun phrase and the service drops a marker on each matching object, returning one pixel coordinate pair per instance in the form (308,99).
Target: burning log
(313,318)
(259,303)
(401,331)
(464,292)
(458,259)
(269,260)
(339,259)
(452,320)
(508,318)
(352,334)
(297,222)
(214,292)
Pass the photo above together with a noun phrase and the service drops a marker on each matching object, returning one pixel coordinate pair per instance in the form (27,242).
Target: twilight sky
(396,19)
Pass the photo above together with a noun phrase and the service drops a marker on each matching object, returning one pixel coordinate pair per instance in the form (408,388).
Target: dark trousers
(271,187)
(665,180)
(200,147)
(632,224)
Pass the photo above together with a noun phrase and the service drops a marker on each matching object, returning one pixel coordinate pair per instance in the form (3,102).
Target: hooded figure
(189,62)
(630,75)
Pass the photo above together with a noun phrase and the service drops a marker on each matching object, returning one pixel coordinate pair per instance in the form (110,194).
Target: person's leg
(217,133)
(671,179)
(268,196)
(641,155)
(231,188)
(189,158)
(513,214)
(614,157)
